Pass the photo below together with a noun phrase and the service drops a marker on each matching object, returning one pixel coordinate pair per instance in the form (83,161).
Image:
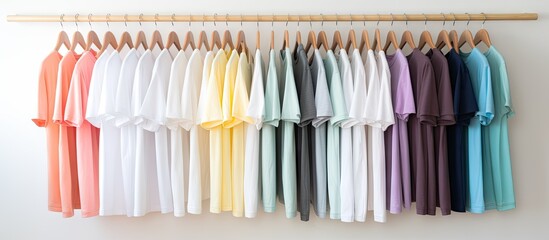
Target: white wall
(23,175)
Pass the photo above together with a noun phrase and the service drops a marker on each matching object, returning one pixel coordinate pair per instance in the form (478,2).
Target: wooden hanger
(425,37)
(297,39)
(125,39)
(377,41)
(365,41)
(391,39)
(286,42)
(189,41)
(322,40)
(203,41)
(92,38)
(173,39)
(156,40)
(407,38)
(454,39)
(482,35)
(141,39)
(351,38)
(257,38)
(311,42)
(227,40)
(77,38)
(241,46)
(466,37)
(62,40)
(443,38)
(337,41)
(216,41)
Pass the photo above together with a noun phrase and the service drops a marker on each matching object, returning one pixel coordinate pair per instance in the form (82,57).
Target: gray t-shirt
(324,112)
(304,152)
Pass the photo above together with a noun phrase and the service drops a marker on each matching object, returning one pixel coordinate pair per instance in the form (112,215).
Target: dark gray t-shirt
(304,152)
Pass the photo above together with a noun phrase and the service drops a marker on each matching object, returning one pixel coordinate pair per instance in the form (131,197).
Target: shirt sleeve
(386,115)
(73,108)
(427,110)
(467,101)
(445,101)
(509,111)
(41,117)
(272,101)
(486,103)
(372,98)
(174,114)
(154,104)
(405,103)
(123,99)
(257,97)
(213,115)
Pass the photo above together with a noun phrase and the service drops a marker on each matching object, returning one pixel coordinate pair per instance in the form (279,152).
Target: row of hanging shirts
(199,140)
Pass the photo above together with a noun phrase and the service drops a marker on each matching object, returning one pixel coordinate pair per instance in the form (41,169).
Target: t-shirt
(68,175)
(87,136)
(333,78)
(346,141)
(255,112)
(269,157)
(153,113)
(123,114)
(420,129)
(232,142)
(147,197)
(179,139)
(384,117)
(196,78)
(304,153)
(465,107)
(323,106)
(212,121)
(397,154)
(479,72)
(240,102)
(290,115)
(359,154)
(498,190)
(111,185)
(441,188)
(47,81)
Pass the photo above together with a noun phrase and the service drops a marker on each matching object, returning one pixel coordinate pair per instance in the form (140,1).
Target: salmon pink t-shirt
(43,118)
(87,136)
(68,176)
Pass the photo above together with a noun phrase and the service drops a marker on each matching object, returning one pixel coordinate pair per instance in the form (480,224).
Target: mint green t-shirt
(340,114)
(268,134)
(498,178)
(290,115)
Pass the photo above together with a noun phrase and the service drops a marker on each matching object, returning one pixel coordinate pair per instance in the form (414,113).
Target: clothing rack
(275,18)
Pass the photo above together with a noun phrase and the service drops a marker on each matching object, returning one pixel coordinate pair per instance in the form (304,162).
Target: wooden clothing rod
(275,18)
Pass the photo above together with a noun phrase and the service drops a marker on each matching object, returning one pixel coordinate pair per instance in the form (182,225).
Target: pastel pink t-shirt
(87,136)
(68,176)
(47,81)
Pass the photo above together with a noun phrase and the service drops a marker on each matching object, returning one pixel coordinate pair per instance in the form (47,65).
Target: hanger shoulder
(188,41)
(126,39)
(466,37)
(78,39)
(390,40)
(337,42)
(365,41)
(216,41)
(311,41)
(203,41)
(173,39)
(227,40)
(443,39)
(351,41)
(62,40)
(92,39)
(272,40)
(454,40)
(407,38)
(322,40)
(297,41)
(482,36)
(241,42)
(426,39)
(156,40)
(257,40)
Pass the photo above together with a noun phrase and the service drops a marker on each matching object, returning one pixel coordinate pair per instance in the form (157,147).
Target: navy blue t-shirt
(465,107)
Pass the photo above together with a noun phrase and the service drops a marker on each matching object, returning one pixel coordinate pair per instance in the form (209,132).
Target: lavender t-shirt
(420,128)
(397,155)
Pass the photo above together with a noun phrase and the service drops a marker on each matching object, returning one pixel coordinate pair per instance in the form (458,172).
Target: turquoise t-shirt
(339,115)
(290,115)
(498,181)
(479,72)
(268,134)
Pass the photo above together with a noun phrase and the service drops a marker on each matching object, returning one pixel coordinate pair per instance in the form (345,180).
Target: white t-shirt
(111,188)
(146,182)
(346,141)
(96,84)
(179,139)
(153,112)
(123,115)
(251,159)
(356,113)
(194,94)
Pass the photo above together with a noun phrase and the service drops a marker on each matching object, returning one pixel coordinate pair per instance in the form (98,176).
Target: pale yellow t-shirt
(239,106)
(213,120)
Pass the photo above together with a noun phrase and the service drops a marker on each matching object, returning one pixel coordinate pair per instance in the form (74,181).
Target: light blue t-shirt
(340,114)
(498,178)
(479,72)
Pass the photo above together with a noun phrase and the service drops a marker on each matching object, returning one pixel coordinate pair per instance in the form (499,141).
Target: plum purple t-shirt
(397,155)
(420,129)
(441,188)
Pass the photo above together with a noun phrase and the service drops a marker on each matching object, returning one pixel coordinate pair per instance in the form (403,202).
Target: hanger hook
(89,20)
(173,16)
(351,19)
(378,19)
(140,19)
(61,20)
(215,15)
(227,20)
(336,22)
(108,17)
(241,21)
(468,20)
(76,20)
(155,20)
(203,19)
(392,20)
(257,23)
(425,23)
(298,22)
(483,21)
(190,20)
(406,20)
(443,20)
(454,17)
(322,21)
(287,20)
(126,20)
